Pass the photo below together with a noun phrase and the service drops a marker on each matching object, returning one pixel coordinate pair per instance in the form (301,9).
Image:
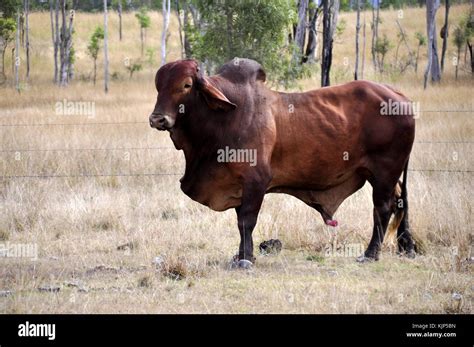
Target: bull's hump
(242,70)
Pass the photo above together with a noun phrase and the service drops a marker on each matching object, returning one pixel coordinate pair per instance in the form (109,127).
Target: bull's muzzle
(161,121)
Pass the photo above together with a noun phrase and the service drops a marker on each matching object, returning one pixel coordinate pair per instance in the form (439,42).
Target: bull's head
(179,85)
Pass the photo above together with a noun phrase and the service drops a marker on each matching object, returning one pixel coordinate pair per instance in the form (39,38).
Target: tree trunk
(363,47)
(27,38)
(141,41)
(3,77)
(17,53)
(230,33)
(310,54)
(375,31)
(445,34)
(62,46)
(95,70)
(180,29)
(356,68)
(106,50)
(416,59)
(53,37)
(433,63)
(120,18)
(69,64)
(403,38)
(457,63)
(187,45)
(469,45)
(166,21)
(57,43)
(330,12)
(300,28)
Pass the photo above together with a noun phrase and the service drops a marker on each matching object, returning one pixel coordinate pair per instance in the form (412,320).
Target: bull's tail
(400,193)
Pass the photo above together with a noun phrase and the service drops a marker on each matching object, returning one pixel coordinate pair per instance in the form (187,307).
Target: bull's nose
(157,121)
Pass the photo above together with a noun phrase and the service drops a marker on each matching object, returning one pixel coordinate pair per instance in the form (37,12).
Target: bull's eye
(187,86)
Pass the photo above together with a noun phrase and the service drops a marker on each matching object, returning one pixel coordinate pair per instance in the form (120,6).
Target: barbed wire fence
(152,148)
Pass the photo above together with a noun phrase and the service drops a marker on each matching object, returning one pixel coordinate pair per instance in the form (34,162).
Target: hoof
(237,263)
(409,254)
(244,264)
(363,259)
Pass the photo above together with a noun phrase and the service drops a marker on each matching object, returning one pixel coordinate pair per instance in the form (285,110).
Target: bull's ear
(215,99)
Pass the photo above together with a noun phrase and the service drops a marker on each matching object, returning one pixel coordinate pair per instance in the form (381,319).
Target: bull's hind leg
(406,246)
(405,242)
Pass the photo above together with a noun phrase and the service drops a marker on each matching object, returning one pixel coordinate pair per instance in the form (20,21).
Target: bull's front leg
(247,214)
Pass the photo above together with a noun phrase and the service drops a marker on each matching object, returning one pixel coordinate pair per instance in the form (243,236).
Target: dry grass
(80,223)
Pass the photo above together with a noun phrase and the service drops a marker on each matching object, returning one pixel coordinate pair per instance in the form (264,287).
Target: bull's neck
(199,132)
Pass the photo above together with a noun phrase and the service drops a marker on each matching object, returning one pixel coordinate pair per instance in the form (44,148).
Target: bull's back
(331,132)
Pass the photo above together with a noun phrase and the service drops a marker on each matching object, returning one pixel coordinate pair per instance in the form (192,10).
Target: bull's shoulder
(241,70)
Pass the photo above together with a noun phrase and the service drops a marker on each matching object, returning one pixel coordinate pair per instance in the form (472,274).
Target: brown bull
(242,140)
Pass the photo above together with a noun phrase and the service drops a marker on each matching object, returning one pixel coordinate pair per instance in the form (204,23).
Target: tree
(144,22)
(300,29)
(311,46)
(27,38)
(133,67)
(164,34)
(7,33)
(356,67)
(55,34)
(445,33)
(218,31)
(330,14)
(467,23)
(62,41)
(363,46)
(375,29)
(119,10)
(93,48)
(459,39)
(106,50)
(421,41)
(382,46)
(17,53)
(411,57)
(464,33)
(180,15)
(9,8)
(433,62)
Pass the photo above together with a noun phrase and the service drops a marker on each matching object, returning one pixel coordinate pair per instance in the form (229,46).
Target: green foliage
(420,38)
(467,25)
(340,27)
(249,29)
(72,55)
(94,43)
(382,45)
(9,8)
(7,29)
(150,56)
(459,37)
(143,18)
(133,67)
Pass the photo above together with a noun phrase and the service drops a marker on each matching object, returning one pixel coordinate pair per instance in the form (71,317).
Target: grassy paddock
(78,222)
